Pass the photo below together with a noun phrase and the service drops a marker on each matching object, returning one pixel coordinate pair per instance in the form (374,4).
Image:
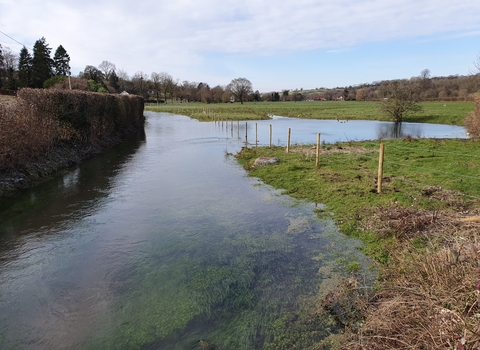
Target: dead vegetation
(39,123)
(311,151)
(472,121)
(430,294)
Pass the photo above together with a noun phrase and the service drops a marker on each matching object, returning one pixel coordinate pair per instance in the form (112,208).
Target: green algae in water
(244,289)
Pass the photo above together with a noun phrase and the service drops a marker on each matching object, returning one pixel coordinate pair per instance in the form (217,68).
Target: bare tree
(240,88)
(156,83)
(124,82)
(400,100)
(107,68)
(361,94)
(204,93)
(140,82)
(166,85)
(475,73)
(187,91)
(218,94)
(10,63)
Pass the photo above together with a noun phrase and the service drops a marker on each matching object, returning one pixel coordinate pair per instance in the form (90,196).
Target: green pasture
(433,112)
(414,171)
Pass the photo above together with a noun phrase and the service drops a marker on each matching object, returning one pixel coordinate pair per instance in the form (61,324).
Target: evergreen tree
(61,61)
(25,68)
(113,80)
(42,64)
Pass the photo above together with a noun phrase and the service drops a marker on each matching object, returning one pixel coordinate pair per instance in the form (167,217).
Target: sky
(276,45)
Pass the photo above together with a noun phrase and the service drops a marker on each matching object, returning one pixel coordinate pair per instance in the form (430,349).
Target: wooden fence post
(246,131)
(318,149)
(270,135)
(380,168)
(256,135)
(288,140)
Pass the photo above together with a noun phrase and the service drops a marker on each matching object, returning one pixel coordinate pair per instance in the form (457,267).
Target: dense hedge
(39,121)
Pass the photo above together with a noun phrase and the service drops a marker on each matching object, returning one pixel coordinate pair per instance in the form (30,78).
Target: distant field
(433,112)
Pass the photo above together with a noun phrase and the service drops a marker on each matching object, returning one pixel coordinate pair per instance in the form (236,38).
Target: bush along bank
(43,131)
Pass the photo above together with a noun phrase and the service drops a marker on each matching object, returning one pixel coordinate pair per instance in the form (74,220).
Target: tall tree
(42,64)
(400,100)
(107,68)
(240,88)
(10,62)
(92,73)
(25,68)
(156,82)
(113,81)
(123,80)
(167,85)
(61,61)
(140,83)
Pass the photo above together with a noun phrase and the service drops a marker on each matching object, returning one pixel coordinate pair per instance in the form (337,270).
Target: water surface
(164,241)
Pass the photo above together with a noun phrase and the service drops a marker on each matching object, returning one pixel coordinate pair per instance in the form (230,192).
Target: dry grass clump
(311,151)
(430,296)
(431,301)
(403,222)
(472,121)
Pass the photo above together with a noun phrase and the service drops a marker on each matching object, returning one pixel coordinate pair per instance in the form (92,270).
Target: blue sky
(276,45)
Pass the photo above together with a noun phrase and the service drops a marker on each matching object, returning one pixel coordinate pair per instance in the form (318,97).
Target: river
(166,240)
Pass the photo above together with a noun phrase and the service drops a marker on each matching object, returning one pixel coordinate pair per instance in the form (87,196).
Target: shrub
(472,121)
(53,80)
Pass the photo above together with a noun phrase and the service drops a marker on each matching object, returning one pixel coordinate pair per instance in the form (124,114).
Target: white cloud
(157,35)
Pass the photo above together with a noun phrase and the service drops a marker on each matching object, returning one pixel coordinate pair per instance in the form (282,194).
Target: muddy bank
(54,162)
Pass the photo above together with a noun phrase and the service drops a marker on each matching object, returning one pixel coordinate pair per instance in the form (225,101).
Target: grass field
(433,112)
(422,230)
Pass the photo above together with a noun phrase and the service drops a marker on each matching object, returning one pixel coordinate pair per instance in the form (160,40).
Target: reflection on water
(305,130)
(164,241)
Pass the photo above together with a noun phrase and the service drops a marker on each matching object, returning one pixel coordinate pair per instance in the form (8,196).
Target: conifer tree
(25,68)
(61,61)
(42,64)
(113,81)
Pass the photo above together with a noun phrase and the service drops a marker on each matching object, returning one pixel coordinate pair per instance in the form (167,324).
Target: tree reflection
(397,130)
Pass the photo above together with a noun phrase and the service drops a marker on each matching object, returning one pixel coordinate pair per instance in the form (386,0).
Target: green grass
(346,182)
(433,112)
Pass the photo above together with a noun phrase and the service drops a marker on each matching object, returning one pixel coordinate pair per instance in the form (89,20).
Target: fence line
(382,160)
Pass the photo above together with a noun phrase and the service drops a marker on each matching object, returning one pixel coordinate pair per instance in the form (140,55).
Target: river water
(165,240)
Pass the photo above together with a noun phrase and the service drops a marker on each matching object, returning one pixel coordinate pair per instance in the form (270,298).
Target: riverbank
(46,131)
(421,230)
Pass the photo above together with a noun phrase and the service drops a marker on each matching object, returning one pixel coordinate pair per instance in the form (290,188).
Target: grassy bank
(433,112)
(422,231)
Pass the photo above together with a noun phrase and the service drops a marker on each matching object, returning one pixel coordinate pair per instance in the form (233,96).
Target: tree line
(35,70)
(40,70)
